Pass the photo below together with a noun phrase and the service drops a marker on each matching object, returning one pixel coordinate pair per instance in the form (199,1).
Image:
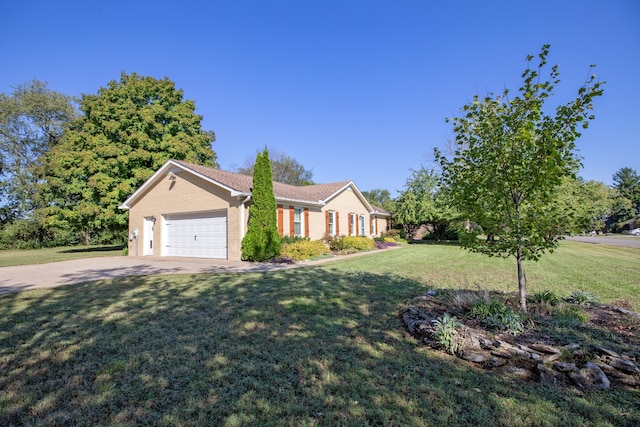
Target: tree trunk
(410,231)
(522,283)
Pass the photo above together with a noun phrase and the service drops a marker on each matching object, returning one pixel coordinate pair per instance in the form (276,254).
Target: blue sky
(351,89)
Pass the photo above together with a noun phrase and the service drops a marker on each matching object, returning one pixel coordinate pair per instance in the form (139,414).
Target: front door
(148,236)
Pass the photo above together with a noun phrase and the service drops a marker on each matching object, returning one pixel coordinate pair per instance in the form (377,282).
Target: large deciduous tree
(284,169)
(511,156)
(32,120)
(262,242)
(127,131)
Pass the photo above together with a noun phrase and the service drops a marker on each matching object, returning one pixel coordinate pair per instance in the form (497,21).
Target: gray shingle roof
(378,209)
(243,184)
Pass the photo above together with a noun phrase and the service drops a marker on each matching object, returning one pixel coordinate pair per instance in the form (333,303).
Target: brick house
(187,210)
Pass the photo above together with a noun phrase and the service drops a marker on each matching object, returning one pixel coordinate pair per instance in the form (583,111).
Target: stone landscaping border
(546,362)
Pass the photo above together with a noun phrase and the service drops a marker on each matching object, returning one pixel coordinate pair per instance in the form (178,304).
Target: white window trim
(332,223)
(352,224)
(301,210)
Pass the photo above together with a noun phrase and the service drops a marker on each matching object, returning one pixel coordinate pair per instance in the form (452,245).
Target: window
(352,224)
(362,230)
(373,226)
(297,222)
(332,223)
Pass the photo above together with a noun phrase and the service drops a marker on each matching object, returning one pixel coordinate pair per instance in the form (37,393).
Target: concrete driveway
(27,277)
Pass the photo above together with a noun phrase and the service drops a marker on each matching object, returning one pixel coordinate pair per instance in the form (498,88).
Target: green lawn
(309,346)
(42,256)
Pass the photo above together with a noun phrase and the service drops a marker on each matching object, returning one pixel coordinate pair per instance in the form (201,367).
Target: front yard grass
(42,256)
(309,346)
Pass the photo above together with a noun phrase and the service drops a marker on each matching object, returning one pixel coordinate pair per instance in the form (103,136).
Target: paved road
(27,277)
(629,241)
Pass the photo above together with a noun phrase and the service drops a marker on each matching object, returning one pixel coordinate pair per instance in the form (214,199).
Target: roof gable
(241,185)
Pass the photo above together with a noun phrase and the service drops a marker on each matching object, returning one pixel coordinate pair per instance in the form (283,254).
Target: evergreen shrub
(262,242)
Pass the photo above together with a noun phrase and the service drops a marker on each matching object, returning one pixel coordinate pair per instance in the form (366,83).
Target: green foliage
(379,197)
(352,244)
(483,308)
(304,249)
(621,211)
(545,297)
(32,120)
(445,331)
(393,235)
(508,321)
(510,157)
(496,314)
(447,234)
(29,234)
(569,316)
(627,182)
(422,202)
(292,239)
(583,298)
(128,130)
(262,242)
(20,234)
(585,204)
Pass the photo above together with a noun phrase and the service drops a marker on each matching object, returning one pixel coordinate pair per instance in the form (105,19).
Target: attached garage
(199,235)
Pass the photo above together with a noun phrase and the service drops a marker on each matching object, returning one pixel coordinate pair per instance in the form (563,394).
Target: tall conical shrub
(262,242)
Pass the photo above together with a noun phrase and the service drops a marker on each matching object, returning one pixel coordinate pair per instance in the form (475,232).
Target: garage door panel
(197,236)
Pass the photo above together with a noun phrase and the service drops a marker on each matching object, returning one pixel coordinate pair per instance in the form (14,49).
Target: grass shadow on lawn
(91,249)
(307,346)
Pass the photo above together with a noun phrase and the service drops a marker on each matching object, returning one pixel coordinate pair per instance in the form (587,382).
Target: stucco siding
(316,224)
(382,224)
(344,204)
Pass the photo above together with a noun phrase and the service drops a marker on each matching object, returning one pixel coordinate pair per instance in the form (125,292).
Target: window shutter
(326,222)
(291,221)
(337,224)
(306,222)
(280,221)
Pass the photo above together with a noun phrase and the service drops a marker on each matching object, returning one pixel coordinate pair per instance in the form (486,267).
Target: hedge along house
(187,210)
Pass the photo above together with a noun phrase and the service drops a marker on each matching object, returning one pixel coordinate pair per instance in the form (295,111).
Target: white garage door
(199,236)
